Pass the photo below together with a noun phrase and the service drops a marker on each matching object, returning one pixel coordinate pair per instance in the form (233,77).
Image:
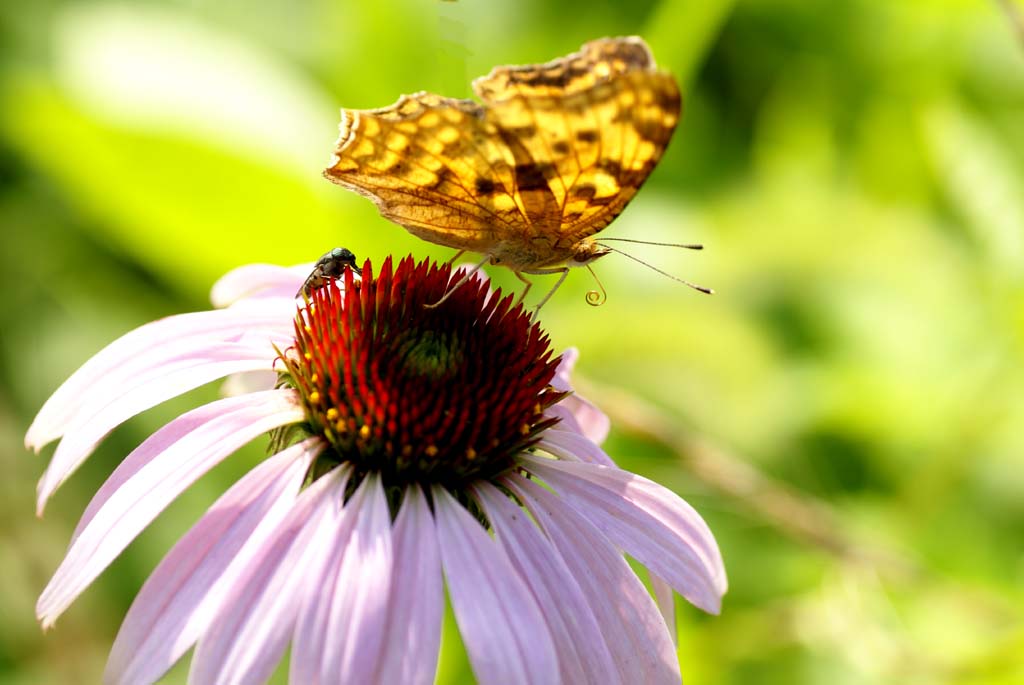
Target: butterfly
(550,155)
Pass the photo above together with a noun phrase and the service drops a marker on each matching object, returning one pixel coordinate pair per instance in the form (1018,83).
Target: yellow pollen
(536,408)
(315,378)
(332,414)
(471,454)
(308,356)
(431,451)
(309,331)
(341,427)
(314,397)
(524,429)
(406,450)
(364,432)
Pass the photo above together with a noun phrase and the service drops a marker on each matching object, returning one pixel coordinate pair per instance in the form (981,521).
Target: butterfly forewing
(418,160)
(553,154)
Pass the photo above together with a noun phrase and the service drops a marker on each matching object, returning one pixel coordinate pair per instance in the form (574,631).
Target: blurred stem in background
(1015,17)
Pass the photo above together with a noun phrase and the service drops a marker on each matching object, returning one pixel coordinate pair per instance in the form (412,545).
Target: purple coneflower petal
(633,629)
(177,337)
(352,601)
(268,404)
(179,597)
(505,634)
(572,446)
(247,382)
(259,282)
(257,618)
(664,597)
(592,422)
(359,614)
(413,637)
(586,417)
(146,390)
(310,638)
(583,656)
(648,521)
(161,467)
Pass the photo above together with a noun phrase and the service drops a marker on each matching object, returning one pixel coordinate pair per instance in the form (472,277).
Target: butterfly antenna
(596,298)
(699,288)
(685,246)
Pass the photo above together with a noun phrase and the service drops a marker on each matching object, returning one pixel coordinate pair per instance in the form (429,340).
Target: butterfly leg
(451,261)
(522,295)
(564,271)
(459,283)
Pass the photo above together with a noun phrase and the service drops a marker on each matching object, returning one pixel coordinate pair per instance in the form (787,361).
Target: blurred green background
(853,394)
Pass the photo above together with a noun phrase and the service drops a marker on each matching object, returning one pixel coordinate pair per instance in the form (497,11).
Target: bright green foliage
(855,169)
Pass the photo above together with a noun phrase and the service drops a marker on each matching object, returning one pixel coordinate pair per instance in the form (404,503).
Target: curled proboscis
(596,298)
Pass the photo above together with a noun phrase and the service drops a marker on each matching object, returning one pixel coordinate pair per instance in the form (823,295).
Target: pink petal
(566,419)
(175,431)
(583,655)
(572,446)
(255,621)
(593,422)
(413,635)
(665,598)
(340,627)
(178,599)
(650,522)
(171,338)
(360,597)
(247,382)
(561,381)
(587,418)
(144,391)
(160,468)
(633,629)
(311,638)
(259,281)
(504,631)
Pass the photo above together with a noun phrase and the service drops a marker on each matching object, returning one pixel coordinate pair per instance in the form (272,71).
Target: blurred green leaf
(187,210)
(681,32)
(853,169)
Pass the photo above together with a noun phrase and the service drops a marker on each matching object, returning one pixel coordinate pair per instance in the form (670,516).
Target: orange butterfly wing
(554,153)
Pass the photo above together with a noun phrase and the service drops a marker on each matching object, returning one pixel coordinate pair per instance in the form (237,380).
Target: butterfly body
(549,157)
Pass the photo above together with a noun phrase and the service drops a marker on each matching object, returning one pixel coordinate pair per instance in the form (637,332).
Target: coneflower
(415,448)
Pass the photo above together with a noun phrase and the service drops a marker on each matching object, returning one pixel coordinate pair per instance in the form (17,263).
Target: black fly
(331,265)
